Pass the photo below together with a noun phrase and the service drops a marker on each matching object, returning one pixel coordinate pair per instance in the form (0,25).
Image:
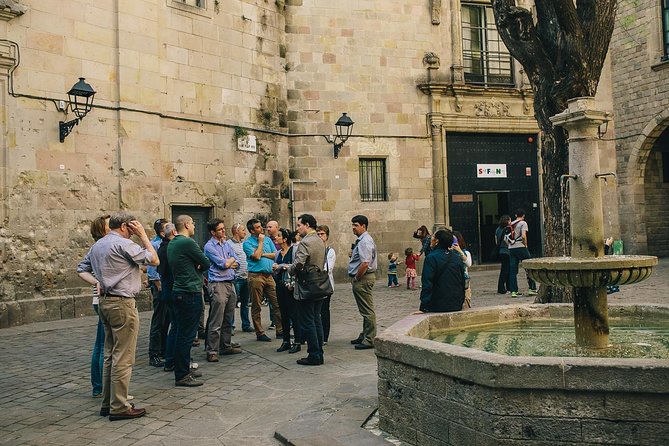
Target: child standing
(410,260)
(392,270)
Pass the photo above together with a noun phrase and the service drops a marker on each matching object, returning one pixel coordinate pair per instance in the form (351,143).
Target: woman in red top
(410,261)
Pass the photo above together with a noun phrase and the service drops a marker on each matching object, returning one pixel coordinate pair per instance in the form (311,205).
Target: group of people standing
(253,268)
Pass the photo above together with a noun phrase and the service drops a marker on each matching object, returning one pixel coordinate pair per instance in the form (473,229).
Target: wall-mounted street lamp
(80,99)
(344,127)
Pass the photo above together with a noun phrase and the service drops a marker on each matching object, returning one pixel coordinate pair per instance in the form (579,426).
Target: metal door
(200,216)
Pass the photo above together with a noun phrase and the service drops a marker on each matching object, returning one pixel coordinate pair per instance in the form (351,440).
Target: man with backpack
(516,240)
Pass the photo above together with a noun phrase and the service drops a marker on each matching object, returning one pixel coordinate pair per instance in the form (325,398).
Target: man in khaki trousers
(361,270)
(112,264)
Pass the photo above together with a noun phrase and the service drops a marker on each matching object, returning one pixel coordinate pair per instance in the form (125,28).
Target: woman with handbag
(285,286)
(312,286)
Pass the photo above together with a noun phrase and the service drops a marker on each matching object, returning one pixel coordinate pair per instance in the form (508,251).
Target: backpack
(510,233)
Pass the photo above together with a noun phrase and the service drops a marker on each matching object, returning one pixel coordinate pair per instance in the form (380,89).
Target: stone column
(581,121)
(438,172)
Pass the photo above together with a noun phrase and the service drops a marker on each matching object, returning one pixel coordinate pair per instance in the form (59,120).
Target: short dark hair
(361,220)
(211,224)
(98,227)
(251,223)
(519,213)
(308,219)
(118,218)
(461,239)
(159,225)
(444,238)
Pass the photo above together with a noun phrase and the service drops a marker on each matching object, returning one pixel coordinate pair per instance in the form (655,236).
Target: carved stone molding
(436,11)
(431,61)
(491,109)
(458,74)
(10,9)
(7,57)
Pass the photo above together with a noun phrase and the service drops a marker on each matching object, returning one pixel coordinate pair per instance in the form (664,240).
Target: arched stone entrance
(643,192)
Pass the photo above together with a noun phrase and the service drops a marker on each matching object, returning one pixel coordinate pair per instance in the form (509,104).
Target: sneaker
(194,365)
(188,381)
(195,373)
(264,338)
(248,330)
(532,293)
(271,326)
(515,294)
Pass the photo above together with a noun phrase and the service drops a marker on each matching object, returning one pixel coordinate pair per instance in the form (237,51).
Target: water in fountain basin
(630,338)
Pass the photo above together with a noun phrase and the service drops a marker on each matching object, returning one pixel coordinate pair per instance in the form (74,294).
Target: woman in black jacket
(443,276)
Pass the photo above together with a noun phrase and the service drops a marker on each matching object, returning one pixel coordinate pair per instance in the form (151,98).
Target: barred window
(373,179)
(198,3)
(665,29)
(486,59)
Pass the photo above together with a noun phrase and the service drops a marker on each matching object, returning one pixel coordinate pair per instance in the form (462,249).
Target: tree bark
(562,51)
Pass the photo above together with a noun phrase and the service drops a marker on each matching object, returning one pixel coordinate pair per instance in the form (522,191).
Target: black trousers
(289,314)
(310,323)
(325,318)
(503,281)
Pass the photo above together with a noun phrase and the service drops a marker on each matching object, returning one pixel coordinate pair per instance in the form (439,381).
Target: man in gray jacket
(309,257)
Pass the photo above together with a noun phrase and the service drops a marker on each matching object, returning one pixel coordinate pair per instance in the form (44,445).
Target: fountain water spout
(606,174)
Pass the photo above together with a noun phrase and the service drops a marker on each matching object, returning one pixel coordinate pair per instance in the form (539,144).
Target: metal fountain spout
(606,174)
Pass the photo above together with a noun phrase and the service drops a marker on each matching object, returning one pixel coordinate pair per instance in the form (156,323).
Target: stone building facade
(640,65)
(218,108)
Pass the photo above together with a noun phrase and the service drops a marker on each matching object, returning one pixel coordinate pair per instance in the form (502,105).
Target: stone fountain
(588,271)
(450,394)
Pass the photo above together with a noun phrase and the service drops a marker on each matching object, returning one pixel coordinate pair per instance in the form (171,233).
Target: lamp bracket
(65,128)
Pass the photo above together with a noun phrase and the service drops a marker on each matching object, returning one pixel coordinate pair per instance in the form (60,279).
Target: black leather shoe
(264,338)
(284,346)
(356,341)
(295,348)
(309,361)
(156,362)
(362,346)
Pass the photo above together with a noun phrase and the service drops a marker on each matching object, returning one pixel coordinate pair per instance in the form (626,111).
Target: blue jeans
(392,280)
(311,328)
(242,290)
(98,357)
(517,255)
(188,306)
(171,342)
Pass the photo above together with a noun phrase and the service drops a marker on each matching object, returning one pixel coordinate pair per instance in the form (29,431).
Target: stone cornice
(449,89)
(10,9)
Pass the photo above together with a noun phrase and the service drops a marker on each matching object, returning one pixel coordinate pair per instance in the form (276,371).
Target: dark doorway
(200,216)
(481,166)
(491,206)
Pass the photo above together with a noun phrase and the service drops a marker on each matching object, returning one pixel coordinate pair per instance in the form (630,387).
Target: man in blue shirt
(221,276)
(361,270)
(159,320)
(260,254)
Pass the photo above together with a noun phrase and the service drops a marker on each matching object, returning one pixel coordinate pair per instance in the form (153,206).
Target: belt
(368,272)
(104,296)
(262,274)
(223,281)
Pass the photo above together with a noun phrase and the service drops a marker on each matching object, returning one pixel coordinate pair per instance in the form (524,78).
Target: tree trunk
(562,53)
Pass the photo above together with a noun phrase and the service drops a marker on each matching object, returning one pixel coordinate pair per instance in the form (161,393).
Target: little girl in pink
(410,261)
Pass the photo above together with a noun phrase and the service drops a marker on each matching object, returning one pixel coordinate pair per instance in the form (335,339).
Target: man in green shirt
(187,263)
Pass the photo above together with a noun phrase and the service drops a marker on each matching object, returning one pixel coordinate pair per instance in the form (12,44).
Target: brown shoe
(231,351)
(128,414)
(212,357)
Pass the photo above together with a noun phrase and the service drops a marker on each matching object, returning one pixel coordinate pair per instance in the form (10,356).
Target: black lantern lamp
(344,127)
(80,99)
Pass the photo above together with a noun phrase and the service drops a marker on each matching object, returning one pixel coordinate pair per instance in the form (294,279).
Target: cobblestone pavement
(45,390)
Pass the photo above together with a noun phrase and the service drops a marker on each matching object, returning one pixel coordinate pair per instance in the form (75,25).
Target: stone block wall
(175,84)
(657,206)
(422,407)
(641,103)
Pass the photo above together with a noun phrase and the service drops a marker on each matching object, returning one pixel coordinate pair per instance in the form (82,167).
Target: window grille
(373,180)
(485,57)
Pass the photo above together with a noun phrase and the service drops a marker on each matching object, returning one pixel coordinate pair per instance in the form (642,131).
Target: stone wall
(175,86)
(641,103)
(657,206)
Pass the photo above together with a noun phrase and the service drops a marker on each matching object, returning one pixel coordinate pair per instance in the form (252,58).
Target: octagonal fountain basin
(432,392)
(590,272)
